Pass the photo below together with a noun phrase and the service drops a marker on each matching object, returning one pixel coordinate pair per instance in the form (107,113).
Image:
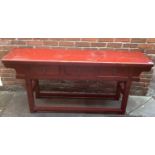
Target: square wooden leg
(125,96)
(37,88)
(30,95)
(118,91)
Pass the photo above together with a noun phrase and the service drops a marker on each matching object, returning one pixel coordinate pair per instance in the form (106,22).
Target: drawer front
(84,72)
(44,71)
(74,71)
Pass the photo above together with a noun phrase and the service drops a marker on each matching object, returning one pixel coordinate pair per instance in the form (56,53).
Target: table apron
(77,72)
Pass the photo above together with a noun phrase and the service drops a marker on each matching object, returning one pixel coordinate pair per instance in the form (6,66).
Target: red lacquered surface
(59,55)
(35,64)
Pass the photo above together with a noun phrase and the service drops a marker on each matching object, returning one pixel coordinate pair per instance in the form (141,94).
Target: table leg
(37,89)
(34,108)
(30,95)
(125,96)
(118,92)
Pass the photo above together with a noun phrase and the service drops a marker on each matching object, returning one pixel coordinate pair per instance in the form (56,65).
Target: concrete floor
(13,104)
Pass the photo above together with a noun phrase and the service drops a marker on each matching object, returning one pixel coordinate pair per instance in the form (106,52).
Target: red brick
(138,40)
(57,47)
(82,44)
(122,49)
(5,39)
(72,39)
(130,45)
(86,48)
(11,78)
(122,40)
(150,51)
(74,48)
(6,75)
(146,46)
(152,57)
(26,39)
(9,82)
(138,84)
(7,70)
(1,64)
(145,74)
(5,48)
(136,50)
(65,43)
(89,39)
(51,43)
(56,39)
(150,40)
(5,42)
(38,39)
(145,80)
(147,84)
(34,42)
(106,39)
(18,42)
(2,53)
(98,44)
(107,49)
(114,45)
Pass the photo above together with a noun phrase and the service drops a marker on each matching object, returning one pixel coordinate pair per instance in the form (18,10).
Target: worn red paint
(83,56)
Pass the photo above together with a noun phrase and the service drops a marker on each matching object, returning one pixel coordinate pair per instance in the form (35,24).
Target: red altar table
(59,64)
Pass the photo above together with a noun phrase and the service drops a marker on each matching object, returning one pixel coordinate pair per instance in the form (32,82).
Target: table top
(28,55)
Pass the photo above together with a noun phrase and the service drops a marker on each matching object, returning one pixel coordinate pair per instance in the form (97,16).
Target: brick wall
(146,45)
